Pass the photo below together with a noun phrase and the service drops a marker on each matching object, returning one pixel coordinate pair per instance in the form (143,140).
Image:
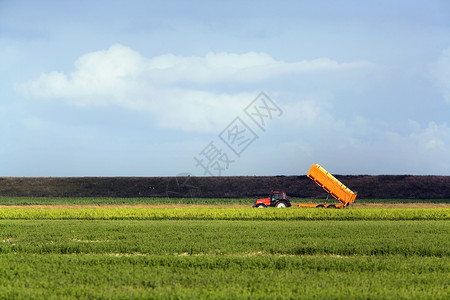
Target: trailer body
(333,186)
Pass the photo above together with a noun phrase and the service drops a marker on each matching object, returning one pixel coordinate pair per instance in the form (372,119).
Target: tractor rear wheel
(281,204)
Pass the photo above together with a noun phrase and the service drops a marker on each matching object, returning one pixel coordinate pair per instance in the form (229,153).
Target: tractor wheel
(281,204)
(261,206)
(320,206)
(331,206)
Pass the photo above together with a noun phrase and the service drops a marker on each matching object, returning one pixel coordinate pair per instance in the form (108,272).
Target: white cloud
(361,145)
(441,72)
(424,150)
(303,114)
(177,90)
(34,123)
(434,138)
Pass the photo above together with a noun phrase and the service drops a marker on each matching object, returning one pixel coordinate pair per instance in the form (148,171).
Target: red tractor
(276,199)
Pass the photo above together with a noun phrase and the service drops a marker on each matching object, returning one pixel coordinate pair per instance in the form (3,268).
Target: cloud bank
(179,91)
(441,71)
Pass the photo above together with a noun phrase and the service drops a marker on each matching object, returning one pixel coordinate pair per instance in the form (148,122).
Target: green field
(176,201)
(224,253)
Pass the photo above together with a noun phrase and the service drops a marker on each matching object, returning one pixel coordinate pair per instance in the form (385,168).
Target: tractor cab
(275,196)
(276,199)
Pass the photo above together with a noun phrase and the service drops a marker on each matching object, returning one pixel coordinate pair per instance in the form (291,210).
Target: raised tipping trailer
(333,186)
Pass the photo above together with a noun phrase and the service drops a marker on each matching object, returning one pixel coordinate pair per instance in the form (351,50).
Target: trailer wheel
(281,204)
(331,206)
(261,206)
(320,206)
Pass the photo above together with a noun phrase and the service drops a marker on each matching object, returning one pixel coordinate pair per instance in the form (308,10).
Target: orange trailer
(333,186)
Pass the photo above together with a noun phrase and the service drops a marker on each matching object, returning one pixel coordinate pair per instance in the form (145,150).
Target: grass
(176,201)
(223,213)
(223,252)
(201,259)
(162,277)
(218,237)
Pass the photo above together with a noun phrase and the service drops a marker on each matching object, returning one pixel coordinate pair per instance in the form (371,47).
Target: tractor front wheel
(261,206)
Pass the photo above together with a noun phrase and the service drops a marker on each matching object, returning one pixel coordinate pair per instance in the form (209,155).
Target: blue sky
(150,88)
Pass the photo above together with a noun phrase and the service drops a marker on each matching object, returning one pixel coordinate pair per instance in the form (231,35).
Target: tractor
(276,199)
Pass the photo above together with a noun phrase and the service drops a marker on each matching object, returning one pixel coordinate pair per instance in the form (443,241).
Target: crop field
(8,201)
(56,250)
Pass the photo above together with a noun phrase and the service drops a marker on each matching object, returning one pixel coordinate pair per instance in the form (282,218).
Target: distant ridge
(381,186)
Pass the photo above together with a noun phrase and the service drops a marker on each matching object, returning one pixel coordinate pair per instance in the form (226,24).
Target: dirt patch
(67,206)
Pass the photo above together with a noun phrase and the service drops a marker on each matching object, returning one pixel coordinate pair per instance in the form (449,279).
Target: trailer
(332,186)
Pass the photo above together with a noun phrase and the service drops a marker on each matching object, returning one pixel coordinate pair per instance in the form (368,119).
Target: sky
(224,88)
